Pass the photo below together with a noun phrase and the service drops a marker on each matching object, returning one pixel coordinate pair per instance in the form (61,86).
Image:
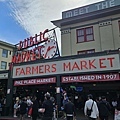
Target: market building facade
(78,75)
(91,28)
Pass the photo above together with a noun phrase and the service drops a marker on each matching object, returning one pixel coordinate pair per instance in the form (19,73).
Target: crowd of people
(93,109)
(100,108)
(33,108)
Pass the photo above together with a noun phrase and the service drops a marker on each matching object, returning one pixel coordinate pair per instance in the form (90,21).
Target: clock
(48,50)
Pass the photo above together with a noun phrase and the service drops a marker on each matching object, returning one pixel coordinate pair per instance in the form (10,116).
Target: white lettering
(98,6)
(92,77)
(98,77)
(81,11)
(75,12)
(69,14)
(18,82)
(104,5)
(112,3)
(86,9)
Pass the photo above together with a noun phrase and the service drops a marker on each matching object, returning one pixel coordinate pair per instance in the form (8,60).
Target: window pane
(81,52)
(5,53)
(80,32)
(89,37)
(90,51)
(81,39)
(89,31)
(3,65)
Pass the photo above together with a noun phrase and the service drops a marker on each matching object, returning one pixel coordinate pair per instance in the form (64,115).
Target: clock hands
(48,49)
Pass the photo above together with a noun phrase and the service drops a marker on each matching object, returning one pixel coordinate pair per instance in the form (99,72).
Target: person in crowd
(114,105)
(91,104)
(35,107)
(118,104)
(29,103)
(98,99)
(16,107)
(47,108)
(23,109)
(104,109)
(65,100)
(0,107)
(69,109)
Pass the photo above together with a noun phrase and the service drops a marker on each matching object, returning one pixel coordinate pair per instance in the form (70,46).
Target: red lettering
(36,41)
(44,34)
(28,69)
(111,61)
(23,56)
(17,70)
(66,65)
(31,41)
(26,43)
(83,64)
(19,58)
(75,66)
(39,52)
(53,67)
(41,36)
(41,69)
(101,63)
(47,68)
(20,45)
(91,64)
(35,70)
(28,56)
(33,56)
(22,72)
(14,59)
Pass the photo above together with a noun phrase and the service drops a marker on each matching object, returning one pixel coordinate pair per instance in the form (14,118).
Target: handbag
(30,111)
(89,111)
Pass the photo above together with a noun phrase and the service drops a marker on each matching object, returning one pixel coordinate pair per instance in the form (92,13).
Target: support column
(9,95)
(58,95)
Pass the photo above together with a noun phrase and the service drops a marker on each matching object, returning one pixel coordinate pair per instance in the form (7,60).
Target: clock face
(49,49)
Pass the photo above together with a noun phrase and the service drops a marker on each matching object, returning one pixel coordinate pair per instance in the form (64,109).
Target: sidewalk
(79,116)
(12,118)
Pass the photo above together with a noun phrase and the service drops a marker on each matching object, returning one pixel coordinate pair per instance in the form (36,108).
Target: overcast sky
(29,17)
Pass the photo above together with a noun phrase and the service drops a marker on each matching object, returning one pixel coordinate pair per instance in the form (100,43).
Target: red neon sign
(23,54)
(29,42)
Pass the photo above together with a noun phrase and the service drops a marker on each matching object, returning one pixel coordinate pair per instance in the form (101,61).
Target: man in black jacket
(23,107)
(35,107)
(47,108)
(69,109)
(104,109)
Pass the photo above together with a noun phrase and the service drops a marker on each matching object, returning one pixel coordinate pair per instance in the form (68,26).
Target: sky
(20,19)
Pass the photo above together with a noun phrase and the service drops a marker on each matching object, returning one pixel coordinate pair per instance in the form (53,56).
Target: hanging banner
(35,81)
(91,78)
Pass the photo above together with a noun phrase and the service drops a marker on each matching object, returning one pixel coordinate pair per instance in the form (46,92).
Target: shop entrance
(37,90)
(79,91)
